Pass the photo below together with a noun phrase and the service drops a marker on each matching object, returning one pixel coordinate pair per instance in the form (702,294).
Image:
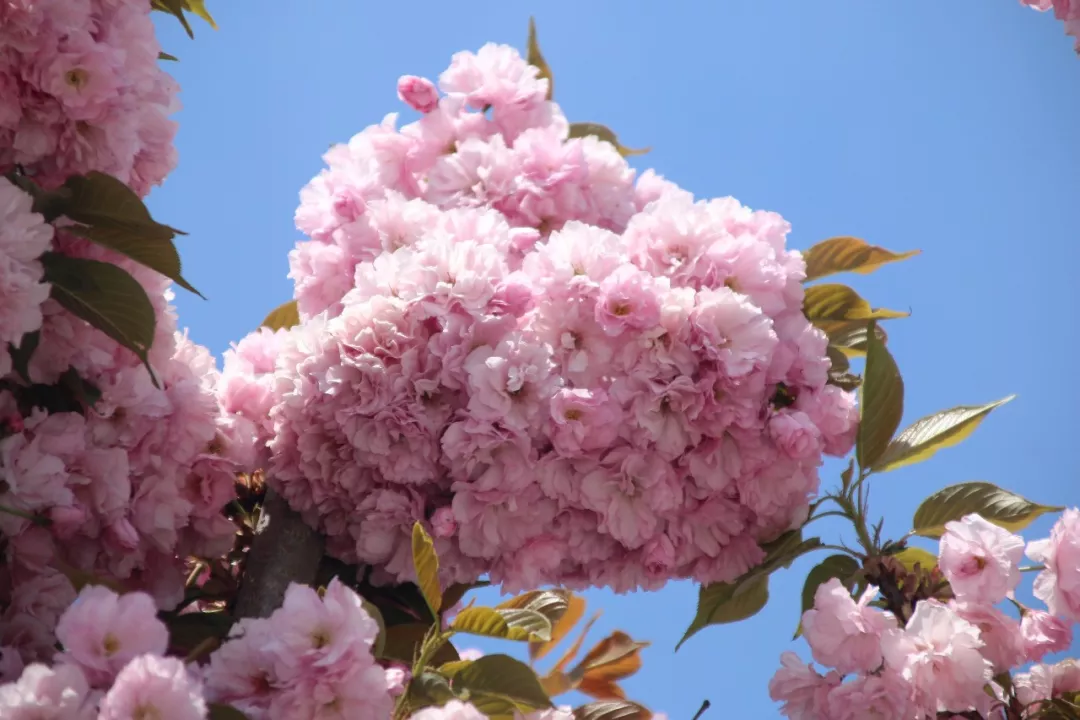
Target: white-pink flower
(845,634)
(980,560)
(1059,584)
(802,690)
(154,687)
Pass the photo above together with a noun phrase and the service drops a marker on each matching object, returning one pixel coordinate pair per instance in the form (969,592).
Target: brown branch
(284,550)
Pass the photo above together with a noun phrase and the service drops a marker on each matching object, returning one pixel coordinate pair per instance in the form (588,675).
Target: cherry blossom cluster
(951,654)
(1067,11)
(124,485)
(569,376)
(311,659)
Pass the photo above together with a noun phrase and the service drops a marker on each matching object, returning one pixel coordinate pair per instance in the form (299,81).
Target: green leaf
(724,603)
(20,356)
(403,644)
(911,556)
(220,711)
(427,689)
(112,215)
(188,631)
(523,625)
(848,254)
(552,604)
(935,432)
(833,302)
(167,56)
(849,336)
(84,392)
(453,594)
(176,9)
(612,710)
(601,132)
(1001,507)
(198,7)
(504,678)
(882,404)
(105,296)
(536,59)
(426,564)
(283,317)
(843,567)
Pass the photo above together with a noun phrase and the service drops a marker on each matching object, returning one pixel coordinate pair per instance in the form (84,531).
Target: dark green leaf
(219,711)
(849,336)
(167,56)
(501,676)
(403,644)
(85,393)
(453,594)
(882,404)
(724,603)
(20,356)
(429,689)
(376,615)
(188,631)
(105,296)
(1001,507)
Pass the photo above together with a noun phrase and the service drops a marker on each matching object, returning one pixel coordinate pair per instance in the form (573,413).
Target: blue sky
(950,127)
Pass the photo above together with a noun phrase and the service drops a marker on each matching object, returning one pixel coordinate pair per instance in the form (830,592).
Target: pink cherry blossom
(1059,584)
(803,692)
(102,631)
(157,687)
(418,93)
(42,692)
(1044,633)
(843,633)
(884,697)
(453,710)
(980,559)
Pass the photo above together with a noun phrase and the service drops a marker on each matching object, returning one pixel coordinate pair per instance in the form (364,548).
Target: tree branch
(284,550)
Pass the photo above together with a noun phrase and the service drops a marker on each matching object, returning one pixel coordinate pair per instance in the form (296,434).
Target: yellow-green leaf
(911,556)
(602,132)
(848,254)
(507,624)
(376,615)
(283,317)
(935,432)
(105,296)
(1001,507)
(451,669)
(176,9)
(536,59)
(723,603)
(561,627)
(882,404)
(843,567)
(612,710)
(549,603)
(849,336)
(427,689)
(426,564)
(503,677)
(833,302)
(199,8)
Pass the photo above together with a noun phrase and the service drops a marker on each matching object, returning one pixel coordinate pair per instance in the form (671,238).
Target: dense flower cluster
(948,656)
(312,659)
(571,377)
(80,89)
(1068,11)
(124,488)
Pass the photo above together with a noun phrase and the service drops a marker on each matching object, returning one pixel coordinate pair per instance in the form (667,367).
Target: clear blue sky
(950,127)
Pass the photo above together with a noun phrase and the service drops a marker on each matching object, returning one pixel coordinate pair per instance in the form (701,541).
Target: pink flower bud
(418,93)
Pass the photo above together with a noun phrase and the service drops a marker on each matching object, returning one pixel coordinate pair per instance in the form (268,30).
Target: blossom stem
(1032,568)
(36,519)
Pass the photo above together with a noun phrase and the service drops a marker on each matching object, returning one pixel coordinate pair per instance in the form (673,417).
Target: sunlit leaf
(833,303)
(614,710)
(572,651)
(882,404)
(718,604)
(911,556)
(1001,507)
(849,336)
(934,432)
(536,59)
(615,657)
(426,564)
(105,296)
(507,624)
(601,132)
(283,317)
(561,627)
(848,254)
(199,8)
(600,688)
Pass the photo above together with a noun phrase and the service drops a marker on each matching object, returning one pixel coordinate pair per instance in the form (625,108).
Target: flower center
(320,638)
(621,309)
(77,78)
(110,644)
(146,712)
(573,414)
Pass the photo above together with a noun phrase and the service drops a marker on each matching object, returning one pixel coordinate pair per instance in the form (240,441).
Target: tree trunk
(285,550)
